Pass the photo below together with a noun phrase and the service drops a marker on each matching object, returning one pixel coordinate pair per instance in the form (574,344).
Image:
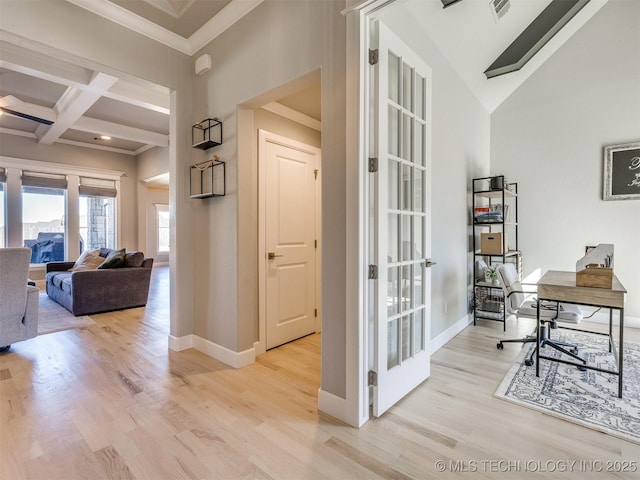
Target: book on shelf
(490,213)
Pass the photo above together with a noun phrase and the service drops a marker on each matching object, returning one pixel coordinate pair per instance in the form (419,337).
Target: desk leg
(537,347)
(620,353)
(610,327)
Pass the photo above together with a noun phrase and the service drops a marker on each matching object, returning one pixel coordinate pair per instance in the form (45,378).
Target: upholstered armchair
(18,301)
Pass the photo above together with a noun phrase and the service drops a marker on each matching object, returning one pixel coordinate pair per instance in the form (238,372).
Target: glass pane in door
(393,343)
(406,337)
(394,77)
(394,131)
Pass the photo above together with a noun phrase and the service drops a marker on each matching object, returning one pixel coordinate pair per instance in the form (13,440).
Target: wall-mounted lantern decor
(208,179)
(206,134)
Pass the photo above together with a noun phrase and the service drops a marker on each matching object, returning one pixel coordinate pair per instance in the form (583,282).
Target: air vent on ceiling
(499,8)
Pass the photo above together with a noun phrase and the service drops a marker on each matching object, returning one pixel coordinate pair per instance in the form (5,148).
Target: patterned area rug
(54,318)
(587,398)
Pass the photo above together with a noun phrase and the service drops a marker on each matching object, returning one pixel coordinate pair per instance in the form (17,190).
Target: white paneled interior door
(290,240)
(401,220)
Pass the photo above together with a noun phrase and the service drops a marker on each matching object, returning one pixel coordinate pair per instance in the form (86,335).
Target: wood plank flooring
(112,402)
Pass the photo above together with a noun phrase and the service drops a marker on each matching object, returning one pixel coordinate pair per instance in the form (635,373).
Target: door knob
(272,255)
(429,263)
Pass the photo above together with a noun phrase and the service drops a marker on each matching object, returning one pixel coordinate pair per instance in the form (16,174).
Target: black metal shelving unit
(494,211)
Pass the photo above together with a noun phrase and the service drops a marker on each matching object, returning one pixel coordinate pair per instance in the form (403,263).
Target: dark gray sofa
(93,291)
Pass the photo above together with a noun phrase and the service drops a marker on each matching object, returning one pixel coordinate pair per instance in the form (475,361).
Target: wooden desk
(561,287)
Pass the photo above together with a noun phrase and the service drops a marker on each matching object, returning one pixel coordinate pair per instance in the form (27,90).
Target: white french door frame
(360,17)
(265,136)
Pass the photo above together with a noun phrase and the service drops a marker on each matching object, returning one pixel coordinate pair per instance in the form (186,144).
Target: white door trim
(265,136)
(355,409)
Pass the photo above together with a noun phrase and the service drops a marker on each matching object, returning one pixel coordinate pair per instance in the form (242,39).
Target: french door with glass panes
(401,220)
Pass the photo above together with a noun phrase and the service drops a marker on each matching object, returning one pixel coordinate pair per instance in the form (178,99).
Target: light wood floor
(111,401)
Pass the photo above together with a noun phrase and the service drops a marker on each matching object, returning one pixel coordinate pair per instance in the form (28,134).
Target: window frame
(161,207)
(13,199)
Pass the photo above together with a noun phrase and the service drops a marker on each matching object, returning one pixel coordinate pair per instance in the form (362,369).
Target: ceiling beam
(140,96)
(555,16)
(34,64)
(115,130)
(72,105)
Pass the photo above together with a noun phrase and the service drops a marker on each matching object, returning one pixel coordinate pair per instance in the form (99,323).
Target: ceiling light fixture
(102,137)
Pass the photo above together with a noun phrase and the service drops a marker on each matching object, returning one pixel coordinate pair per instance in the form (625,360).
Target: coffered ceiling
(86,105)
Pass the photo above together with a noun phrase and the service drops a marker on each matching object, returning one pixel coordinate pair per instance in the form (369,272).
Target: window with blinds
(97,213)
(43,215)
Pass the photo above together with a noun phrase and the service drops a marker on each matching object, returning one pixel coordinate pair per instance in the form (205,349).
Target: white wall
(460,152)
(549,137)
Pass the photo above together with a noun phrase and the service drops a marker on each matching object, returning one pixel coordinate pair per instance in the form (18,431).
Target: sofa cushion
(115,259)
(88,260)
(61,280)
(133,259)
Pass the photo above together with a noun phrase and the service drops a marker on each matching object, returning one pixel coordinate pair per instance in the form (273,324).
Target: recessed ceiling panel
(183,18)
(16,123)
(122,113)
(30,89)
(93,139)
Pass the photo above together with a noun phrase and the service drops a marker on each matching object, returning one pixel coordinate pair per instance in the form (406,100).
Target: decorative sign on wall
(622,172)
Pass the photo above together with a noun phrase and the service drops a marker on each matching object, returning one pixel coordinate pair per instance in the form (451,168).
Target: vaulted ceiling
(86,106)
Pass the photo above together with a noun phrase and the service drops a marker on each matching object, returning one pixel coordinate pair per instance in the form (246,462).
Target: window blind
(97,187)
(44,183)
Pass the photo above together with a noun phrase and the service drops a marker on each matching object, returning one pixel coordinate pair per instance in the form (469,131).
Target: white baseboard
(333,405)
(177,344)
(231,358)
(442,339)
(603,317)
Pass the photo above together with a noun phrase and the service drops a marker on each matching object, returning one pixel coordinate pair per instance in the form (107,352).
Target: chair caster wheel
(500,346)
(574,351)
(582,369)
(528,363)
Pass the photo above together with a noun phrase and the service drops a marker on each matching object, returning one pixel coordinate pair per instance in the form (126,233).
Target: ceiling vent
(499,8)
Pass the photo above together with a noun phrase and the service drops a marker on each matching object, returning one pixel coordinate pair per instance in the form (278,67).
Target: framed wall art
(622,172)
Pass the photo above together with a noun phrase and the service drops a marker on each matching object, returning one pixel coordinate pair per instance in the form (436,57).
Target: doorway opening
(279,135)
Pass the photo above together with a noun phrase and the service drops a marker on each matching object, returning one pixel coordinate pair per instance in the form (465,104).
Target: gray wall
(151,163)
(460,152)
(63,30)
(29,149)
(549,137)
(276,43)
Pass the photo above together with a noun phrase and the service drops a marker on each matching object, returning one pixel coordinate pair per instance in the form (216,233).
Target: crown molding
(224,19)
(134,22)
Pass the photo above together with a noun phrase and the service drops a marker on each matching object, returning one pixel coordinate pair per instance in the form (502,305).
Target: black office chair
(522,303)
